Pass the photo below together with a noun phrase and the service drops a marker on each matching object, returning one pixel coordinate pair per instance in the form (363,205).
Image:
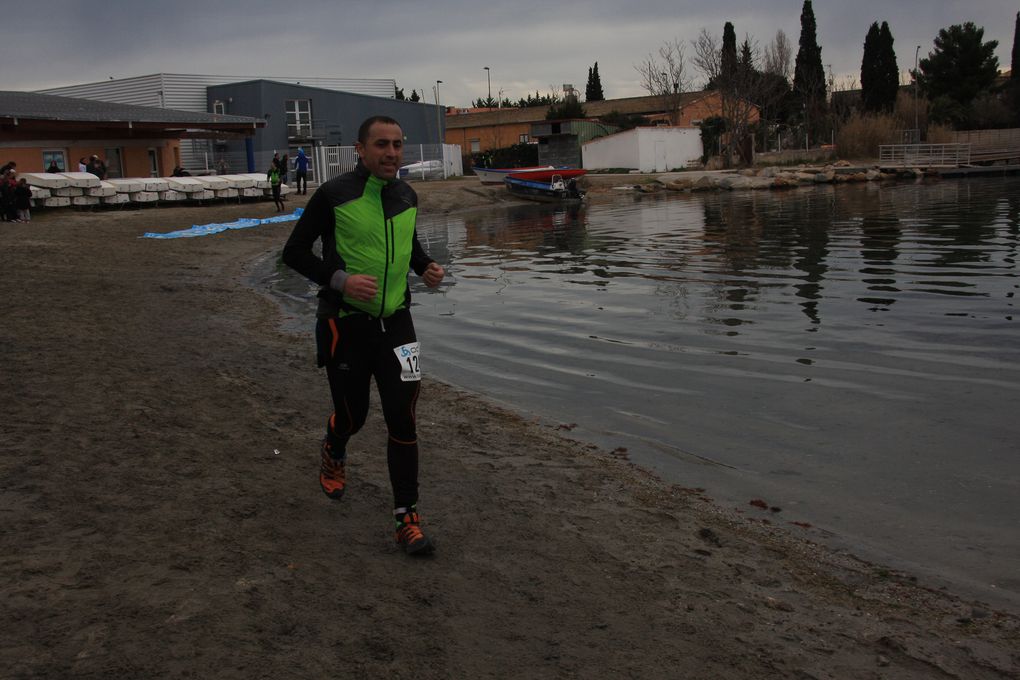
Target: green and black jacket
(367,226)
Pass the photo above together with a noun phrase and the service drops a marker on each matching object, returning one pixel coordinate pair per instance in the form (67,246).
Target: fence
(421,161)
(923,155)
(989,146)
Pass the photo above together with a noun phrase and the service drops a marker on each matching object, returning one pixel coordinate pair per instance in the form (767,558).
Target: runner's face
(383,150)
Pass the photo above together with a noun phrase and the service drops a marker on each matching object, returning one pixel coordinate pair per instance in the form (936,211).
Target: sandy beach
(162,518)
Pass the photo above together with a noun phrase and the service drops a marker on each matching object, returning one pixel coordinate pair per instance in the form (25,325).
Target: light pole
(917,130)
(439,119)
(488,81)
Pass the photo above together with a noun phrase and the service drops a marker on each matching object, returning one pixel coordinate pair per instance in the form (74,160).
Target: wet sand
(162,517)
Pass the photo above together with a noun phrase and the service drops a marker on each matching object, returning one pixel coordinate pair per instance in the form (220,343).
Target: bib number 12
(407,355)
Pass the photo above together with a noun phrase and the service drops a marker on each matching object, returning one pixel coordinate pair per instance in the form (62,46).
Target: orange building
(478,130)
(134,141)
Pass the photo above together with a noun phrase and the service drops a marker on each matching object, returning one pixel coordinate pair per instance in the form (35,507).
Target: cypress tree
(870,69)
(1016,52)
(889,80)
(728,64)
(593,90)
(808,74)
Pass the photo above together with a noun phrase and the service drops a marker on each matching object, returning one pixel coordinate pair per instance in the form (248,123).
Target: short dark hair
(369,122)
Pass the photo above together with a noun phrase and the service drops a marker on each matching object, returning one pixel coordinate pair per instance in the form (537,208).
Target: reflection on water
(848,353)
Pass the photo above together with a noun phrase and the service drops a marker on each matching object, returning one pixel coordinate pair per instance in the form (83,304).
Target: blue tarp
(243,223)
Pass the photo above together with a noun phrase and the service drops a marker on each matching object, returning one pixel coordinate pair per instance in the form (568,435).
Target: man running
(366,222)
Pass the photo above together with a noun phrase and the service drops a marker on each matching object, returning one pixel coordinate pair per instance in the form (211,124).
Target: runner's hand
(360,287)
(433,275)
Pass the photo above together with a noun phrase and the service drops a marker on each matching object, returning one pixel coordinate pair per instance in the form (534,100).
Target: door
(660,157)
(114,168)
(154,162)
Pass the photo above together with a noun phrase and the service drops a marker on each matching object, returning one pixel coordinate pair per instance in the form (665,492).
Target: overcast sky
(528,45)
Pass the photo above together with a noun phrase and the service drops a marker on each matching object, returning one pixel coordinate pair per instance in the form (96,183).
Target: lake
(849,354)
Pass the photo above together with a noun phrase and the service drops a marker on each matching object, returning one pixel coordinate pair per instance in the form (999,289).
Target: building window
(523,139)
(299,117)
(56,155)
(219,107)
(476,145)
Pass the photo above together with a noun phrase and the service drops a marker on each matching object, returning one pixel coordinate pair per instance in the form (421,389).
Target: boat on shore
(555,190)
(496,175)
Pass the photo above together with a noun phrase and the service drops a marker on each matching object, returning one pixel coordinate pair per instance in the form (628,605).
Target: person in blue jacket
(301,171)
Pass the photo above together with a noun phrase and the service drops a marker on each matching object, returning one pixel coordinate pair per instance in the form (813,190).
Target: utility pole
(488,81)
(917,128)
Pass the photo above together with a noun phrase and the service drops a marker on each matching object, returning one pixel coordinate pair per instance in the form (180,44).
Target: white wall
(648,149)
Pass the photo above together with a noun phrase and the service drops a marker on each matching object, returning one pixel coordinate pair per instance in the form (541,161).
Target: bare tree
(776,71)
(665,75)
(741,90)
(707,57)
(778,56)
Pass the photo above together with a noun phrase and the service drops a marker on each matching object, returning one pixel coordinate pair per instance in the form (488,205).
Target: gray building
(187,92)
(297,115)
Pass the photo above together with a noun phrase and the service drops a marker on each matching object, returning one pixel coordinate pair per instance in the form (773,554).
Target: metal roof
(16,106)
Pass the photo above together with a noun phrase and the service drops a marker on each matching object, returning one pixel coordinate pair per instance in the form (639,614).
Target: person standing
(301,171)
(23,200)
(366,222)
(273,175)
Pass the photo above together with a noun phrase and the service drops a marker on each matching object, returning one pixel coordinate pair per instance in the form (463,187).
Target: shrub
(862,134)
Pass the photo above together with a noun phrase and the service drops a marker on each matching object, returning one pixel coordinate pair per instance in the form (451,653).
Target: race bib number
(407,355)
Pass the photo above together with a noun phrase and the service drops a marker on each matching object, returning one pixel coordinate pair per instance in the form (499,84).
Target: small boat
(546,174)
(496,175)
(556,190)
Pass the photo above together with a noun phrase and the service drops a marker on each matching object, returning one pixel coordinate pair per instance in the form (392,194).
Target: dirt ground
(162,519)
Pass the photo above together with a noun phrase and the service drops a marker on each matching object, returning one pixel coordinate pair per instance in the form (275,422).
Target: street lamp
(917,129)
(438,82)
(488,81)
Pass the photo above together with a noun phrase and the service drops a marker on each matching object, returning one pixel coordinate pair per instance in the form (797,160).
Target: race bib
(407,355)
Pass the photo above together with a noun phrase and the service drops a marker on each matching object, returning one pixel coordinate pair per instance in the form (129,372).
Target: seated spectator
(53,167)
(82,167)
(180,172)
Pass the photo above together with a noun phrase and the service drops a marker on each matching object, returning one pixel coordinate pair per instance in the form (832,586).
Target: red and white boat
(545,175)
(496,175)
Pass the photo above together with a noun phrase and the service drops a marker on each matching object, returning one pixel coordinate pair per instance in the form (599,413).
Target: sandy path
(150,529)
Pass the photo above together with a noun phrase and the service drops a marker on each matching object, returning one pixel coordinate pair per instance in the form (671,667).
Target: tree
(808,74)
(707,57)
(415,97)
(880,77)
(870,69)
(774,87)
(961,66)
(399,94)
(1015,61)
(666,76)
(568,108)
(728,58)
(537,100)
(1014,79)
(593,90)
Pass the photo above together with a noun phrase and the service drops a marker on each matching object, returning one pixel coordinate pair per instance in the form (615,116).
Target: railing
(924,155)
(426,161)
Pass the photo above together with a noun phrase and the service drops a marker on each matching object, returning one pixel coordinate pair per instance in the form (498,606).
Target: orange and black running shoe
(409,535)
(332,476)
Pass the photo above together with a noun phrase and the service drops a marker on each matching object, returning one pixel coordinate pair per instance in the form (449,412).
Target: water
(848,354)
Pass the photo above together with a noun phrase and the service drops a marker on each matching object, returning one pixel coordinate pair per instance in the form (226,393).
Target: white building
(648,149)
